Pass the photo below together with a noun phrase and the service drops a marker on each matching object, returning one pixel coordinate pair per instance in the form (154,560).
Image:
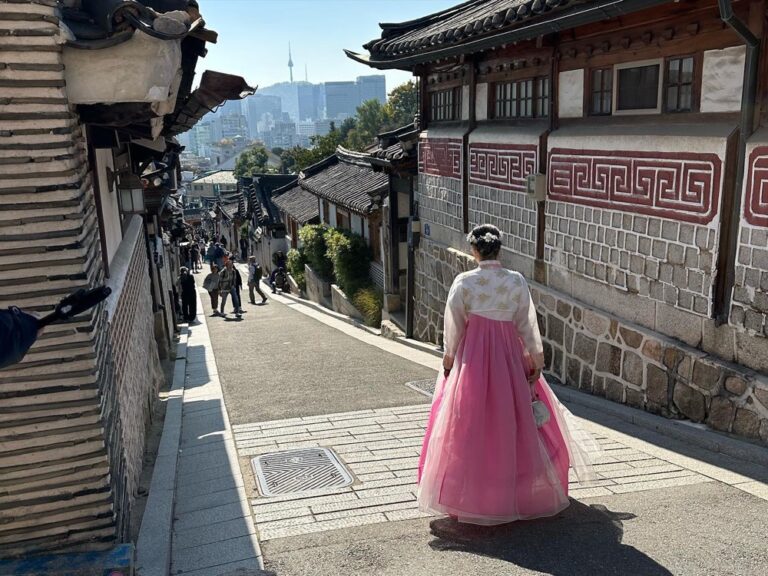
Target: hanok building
(214,185)
(620,147)
(297,208)
(91,95)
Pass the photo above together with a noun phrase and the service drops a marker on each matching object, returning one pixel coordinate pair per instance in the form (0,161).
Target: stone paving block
(375,492)
(402,464)
(286,523)
(322,526)
(200,535)
(385,482)
(290,501)
(408,514)
(758,489)
(248,566)
(210,500)
(217,444)
(201,489)
(361,503)
(219,556)
(349,439)
(368,467)
(655,477)
(207,475)
(349,415)
(630,471)
(381,455)
(652,485)
(209,516)
(407,473)
(362,511)
(191,463)
(376,476)
(580,493)
(282,514)
(366,446)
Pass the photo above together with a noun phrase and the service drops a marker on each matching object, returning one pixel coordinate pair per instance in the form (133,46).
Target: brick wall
(440,181)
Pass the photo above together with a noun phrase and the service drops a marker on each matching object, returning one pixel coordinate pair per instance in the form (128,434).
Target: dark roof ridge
(292,184)
(318,166)
(429,18)
(353,157)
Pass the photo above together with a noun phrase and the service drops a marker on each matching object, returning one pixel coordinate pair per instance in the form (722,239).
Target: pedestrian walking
(255,274)
(498,444)
(210,254)
(188,295)
(227,282)
(218,256)
(211,284)
(238,284)
(194,255)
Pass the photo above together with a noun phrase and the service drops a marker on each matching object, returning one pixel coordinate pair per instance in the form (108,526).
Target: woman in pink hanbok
(484,459)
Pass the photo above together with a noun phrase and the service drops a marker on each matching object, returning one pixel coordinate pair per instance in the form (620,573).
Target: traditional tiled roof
(220,177)
(482,24)
(297,203)
(346,179)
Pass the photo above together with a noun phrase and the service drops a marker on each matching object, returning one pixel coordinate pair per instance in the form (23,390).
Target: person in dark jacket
(188,295)
(18,331)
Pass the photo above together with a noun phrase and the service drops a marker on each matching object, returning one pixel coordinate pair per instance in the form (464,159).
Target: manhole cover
(426,387)
(299,471)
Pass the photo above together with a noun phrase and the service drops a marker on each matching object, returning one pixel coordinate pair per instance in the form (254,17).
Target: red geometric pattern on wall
(502,165)
(756,204)
(681,186)
(440,157)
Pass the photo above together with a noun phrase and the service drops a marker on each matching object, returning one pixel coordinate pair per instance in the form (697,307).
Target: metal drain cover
(299,471)
(426,387)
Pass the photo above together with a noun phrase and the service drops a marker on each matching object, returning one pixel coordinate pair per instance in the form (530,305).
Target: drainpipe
(746,128)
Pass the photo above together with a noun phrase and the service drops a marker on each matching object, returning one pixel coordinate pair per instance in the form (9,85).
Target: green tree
(402,105)
(322,147)
(346,127)
(371,118)
(252,161)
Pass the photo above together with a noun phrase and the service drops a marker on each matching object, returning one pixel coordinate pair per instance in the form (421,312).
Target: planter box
(342,304)
(318,290)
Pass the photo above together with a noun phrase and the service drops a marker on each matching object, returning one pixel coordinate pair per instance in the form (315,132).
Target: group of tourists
(223,283)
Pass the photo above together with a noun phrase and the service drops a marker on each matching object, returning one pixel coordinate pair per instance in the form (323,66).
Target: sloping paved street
(293,377)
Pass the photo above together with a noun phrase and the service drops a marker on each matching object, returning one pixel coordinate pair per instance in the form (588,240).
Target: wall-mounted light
(131,194)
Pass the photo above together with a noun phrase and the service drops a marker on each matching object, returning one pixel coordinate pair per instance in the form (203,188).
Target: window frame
(589,92)
(455,93)
(661,63)
(695,83)
(532,99)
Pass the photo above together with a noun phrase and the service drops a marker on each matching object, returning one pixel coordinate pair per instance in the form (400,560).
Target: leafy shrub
(315,250)
(351,259)
(369,302)
(296,261)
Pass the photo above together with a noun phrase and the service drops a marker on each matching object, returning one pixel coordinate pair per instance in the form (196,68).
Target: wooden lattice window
(679,84)
(445,105)
(601,92)
(527,98)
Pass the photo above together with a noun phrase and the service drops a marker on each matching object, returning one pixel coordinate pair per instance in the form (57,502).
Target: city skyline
(318,33)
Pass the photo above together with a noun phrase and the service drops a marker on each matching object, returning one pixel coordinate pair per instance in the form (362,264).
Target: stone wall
(656,258)
(510,211)
(440,200)
(607,356)
(749,310)
(318,290)
(136,368)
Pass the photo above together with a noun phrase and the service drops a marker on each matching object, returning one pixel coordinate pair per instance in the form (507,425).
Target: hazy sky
(254,36)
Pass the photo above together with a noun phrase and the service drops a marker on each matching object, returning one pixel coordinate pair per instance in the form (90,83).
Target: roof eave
(565,20)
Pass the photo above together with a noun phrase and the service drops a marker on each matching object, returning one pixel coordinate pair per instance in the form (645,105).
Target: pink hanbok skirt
(484,460)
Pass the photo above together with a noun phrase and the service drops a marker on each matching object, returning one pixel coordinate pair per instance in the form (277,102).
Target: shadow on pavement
(581,540)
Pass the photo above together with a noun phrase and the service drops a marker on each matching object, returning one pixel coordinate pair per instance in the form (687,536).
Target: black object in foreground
(74,304)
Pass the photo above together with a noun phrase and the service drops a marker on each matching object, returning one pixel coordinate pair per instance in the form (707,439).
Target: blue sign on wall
(426,229)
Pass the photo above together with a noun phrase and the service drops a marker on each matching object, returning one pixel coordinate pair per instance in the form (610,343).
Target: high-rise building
(341,99)
(373,87)
(259,105)
(233,126)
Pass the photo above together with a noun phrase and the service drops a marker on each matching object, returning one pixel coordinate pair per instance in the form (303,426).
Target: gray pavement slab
(278,363)
(701,530)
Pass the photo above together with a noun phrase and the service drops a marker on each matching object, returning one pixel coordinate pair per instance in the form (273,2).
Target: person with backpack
(211,285)
(254,280)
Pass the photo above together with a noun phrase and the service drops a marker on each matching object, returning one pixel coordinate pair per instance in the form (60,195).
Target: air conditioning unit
(536,187)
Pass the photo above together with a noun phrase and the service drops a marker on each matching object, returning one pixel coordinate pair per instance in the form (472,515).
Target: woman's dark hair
(487,240)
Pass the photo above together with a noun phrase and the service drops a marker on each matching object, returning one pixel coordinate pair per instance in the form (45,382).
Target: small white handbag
(540,413)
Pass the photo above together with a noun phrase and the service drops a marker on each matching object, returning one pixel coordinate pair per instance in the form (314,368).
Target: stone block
(630,337)
(614,390)
(652,350)
(558,365)
(764,431)
(548,356)
(585,348)
(689,402)
(657,385)
(721,412)
(676,254)
(585,383)
(679,324)
(608,359)
(598,386)
(746,423)
(737,386)
(568,337)
(577,314)
(573,373)
(635,398)
(706,376)
(595,323)
(563,309)
(632,368)
(555,329)
(669,229)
